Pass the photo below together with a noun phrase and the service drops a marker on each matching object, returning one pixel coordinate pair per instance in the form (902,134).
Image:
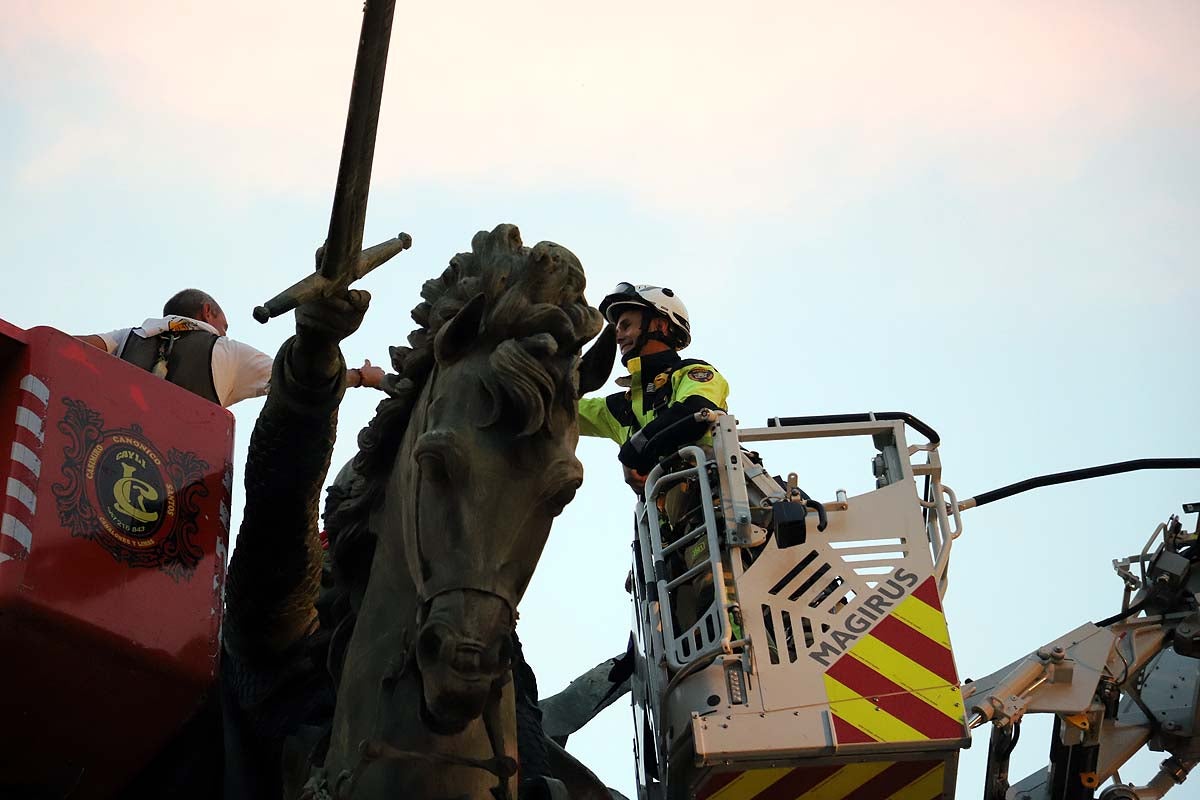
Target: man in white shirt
(188,346)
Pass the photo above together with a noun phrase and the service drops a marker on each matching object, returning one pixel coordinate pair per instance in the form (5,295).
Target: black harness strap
(620,406)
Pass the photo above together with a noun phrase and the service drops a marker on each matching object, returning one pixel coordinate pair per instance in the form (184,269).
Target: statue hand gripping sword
(341,260)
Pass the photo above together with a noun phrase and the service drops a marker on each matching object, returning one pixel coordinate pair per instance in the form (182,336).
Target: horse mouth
(471,679)
(451,700)
(464,648)
(458,677)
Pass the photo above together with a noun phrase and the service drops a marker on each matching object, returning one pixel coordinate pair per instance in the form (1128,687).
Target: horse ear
(457,335)
(597,362)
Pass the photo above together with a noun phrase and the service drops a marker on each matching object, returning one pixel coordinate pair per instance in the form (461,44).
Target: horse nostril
(502,657)
(429,645)
(491,659)
(467,659)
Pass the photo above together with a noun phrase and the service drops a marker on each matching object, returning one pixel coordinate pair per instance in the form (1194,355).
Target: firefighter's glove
(633,453)
(328,321)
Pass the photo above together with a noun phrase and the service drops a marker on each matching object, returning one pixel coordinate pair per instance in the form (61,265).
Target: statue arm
(274,575)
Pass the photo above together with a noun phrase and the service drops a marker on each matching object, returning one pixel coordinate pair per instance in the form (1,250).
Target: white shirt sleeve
(239,371)
(115,340)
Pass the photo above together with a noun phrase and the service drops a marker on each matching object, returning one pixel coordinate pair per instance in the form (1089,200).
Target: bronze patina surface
(434,534)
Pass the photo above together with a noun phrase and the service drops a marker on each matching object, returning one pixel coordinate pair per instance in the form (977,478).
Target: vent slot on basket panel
(812,583)
(769,624)
(808,583)
(809,575)
(793,573)
(820,582)
(870,559)
(788,636)
(807,627)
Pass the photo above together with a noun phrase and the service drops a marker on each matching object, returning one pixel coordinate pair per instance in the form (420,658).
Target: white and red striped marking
(24,470)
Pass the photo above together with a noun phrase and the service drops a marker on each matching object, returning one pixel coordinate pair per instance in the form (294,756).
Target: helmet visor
(624,295)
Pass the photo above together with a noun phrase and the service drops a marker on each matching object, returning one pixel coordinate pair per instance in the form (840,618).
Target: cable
(1016,737)
(1078,475)
(1124,660)
(1129,612)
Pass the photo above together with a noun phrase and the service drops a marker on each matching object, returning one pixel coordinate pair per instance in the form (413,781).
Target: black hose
(1080,475)
(1016,737)
(822,517)
(1136,608)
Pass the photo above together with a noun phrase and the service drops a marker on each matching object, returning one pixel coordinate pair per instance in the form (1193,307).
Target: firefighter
(653,417)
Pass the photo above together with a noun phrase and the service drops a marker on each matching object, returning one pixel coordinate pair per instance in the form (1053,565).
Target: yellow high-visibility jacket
(663,390)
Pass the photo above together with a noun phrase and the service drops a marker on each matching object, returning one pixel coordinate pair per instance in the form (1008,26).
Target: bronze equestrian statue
(386,668)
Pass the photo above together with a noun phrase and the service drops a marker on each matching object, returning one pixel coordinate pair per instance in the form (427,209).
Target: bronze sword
(341,261)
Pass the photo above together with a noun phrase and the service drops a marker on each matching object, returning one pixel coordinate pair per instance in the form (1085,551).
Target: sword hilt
(314,286)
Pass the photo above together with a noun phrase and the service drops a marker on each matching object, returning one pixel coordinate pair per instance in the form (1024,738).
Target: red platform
(115,525)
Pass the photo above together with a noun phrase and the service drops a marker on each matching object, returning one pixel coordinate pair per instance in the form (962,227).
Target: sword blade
(346,221)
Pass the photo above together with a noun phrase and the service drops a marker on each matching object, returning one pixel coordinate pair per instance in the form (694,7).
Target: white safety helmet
(658,299)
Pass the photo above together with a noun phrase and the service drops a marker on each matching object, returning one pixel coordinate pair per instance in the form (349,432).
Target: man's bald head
(195,304)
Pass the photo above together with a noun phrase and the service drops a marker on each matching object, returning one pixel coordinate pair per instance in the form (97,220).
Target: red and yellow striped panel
(898,682)
(882,780)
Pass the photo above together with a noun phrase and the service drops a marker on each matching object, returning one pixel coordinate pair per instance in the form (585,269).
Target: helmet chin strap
(645,336)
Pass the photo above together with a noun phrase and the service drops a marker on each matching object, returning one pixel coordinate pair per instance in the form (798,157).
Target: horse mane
(535,310)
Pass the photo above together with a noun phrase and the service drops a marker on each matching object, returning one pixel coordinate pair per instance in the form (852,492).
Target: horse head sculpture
(439,524)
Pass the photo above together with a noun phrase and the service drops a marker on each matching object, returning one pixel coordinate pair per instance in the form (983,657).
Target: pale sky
(986,214)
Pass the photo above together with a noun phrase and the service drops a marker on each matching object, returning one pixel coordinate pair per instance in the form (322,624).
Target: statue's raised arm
(273,583)
(274,575)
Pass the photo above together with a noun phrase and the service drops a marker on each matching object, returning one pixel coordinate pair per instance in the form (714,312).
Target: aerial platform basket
(818,665)
(114,530)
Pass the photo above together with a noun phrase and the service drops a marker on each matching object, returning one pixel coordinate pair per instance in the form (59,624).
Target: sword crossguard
(316,285)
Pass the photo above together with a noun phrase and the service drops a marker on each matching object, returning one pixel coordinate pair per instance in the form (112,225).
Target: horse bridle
(377,748)
(424,600)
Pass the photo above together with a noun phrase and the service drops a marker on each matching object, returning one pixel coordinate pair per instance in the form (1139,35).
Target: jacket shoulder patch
(700,374)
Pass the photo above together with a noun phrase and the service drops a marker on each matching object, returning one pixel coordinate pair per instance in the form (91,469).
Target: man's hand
(635,480)
(367,375)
